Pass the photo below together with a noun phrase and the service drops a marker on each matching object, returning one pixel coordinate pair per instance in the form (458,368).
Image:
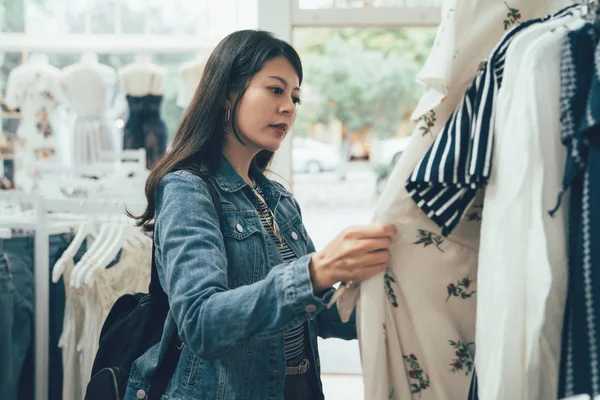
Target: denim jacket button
(239,228)
(310,308)
(294,236)
(141,394)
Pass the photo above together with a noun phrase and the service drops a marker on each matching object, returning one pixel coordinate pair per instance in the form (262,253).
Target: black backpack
(134,324)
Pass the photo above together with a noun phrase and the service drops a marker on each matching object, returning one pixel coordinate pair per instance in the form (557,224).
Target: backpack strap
(166,369)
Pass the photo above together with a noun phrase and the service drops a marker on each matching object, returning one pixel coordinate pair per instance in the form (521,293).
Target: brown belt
(299,369)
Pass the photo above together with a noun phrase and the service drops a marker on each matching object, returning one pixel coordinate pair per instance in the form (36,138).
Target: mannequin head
(229,71)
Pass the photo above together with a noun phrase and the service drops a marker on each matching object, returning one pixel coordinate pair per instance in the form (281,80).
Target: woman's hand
(355,254)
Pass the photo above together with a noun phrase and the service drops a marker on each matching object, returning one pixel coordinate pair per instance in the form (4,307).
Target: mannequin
(34,88)
(190,74)
(142,77)
(143,83)
(89,86)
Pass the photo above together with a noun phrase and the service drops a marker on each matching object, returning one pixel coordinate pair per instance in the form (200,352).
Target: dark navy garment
(145,129)
(6,325)
(18,364)
(580,117)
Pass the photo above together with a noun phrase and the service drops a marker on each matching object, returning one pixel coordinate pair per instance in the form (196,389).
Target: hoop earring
(227,115)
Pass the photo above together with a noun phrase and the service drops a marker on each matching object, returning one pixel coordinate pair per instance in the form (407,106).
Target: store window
(328,4)
(357,96)
(104,20)
(12,16)
(203,18)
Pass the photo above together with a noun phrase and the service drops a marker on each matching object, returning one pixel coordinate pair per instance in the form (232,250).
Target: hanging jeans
(19,365)
(6,326)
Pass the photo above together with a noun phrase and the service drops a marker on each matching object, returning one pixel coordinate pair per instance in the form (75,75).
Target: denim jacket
(231,296)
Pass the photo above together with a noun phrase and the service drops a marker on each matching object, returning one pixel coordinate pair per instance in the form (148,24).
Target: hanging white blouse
(417,322)
(522,257)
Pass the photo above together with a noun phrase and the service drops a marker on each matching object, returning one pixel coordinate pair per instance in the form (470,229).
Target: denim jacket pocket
(296,237)
(190,368)
(242,234)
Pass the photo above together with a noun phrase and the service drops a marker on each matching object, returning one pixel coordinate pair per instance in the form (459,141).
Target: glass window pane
(8,61)
(179,17)
(75,15)
(12,16)
(102,15)
(222,18)
(133,16)
(43,17)
(325,4)
(204,18)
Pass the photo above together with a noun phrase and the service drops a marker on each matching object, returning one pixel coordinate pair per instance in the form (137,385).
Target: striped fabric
(474,388)
(294,338)
(446,180)
(580,116)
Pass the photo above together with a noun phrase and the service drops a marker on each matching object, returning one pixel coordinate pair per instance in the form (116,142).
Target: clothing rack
(41,263)
(126,159)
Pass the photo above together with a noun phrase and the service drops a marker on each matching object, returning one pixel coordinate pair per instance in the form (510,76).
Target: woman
(247,301)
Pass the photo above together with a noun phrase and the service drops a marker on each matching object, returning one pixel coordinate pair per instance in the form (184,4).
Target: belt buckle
(303,366)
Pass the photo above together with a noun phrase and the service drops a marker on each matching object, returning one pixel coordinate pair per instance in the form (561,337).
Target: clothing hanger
(106,229)
(85,229)
(127,234)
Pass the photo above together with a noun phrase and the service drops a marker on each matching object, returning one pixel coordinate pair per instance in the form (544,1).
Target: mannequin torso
(190,75)
(88,85)
(142,78)
(35,89)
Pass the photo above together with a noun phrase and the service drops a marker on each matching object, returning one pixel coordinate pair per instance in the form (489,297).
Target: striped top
(446,180)
(580,122)
(294,338)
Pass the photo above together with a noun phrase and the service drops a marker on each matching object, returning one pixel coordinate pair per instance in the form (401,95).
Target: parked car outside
(388,151)
(385,154)
(312,156)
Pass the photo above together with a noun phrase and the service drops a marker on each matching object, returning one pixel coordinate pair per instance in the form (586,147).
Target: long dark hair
(201,135)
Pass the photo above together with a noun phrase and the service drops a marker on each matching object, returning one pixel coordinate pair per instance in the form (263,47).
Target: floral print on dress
(428,239)
(417,374)
(460,289)
(464,360)
(389,279)
(513,17)
(429,121)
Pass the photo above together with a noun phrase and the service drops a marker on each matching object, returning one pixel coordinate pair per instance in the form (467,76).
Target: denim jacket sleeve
(329,323)
(212,318)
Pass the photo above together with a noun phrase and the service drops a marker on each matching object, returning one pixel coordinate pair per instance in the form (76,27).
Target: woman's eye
(297,101)
(277,90)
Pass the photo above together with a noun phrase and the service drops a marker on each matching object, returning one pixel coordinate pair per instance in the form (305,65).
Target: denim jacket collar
(229,180)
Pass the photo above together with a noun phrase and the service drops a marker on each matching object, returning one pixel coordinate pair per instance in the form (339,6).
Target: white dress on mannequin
(34,88)
(190,74)
(89,86)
